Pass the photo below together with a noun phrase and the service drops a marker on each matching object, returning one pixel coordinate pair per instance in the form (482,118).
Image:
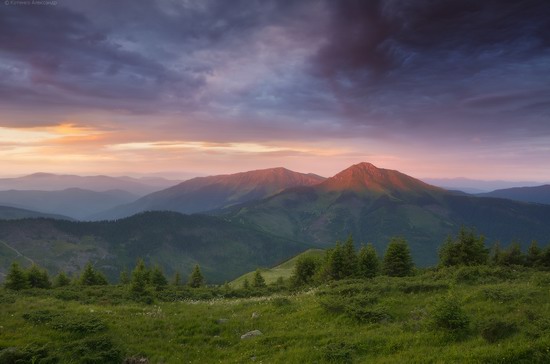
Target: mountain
(376,204)
(172,240)
(74,202)
(55,182)
(475,186)
(215,192)
(13,213)
(537,194)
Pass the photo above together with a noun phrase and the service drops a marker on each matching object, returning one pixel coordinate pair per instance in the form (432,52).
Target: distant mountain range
(264,216)
(537,194)
(73,202)
(475,186)
(13,213)
(203,194)
(56,182)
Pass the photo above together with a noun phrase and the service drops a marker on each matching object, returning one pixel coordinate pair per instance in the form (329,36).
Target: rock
(255,315)
(222,320)
(251,334)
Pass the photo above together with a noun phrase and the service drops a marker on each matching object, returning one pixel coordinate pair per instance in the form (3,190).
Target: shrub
(338,353)
(497,330)
(304,270)
(448,315)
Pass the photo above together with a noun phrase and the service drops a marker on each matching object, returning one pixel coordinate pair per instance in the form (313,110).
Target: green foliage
(340,262)
(534,254)
(140,279)
(448,315)
(91,277)
(176,280)
(304,270)
(259,281)
(61,280)
(397,259)
(338,352)
(512,255)
(158,280)
(124,277)
(369,264)
(16,278)
(196,279)
(465,249)
(497,330)
(246,284)
(38,278)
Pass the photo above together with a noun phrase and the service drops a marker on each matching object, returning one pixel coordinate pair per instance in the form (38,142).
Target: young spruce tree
(397,260)
(196,279)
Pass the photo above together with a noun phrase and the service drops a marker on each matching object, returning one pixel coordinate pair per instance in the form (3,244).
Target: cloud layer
(386,79)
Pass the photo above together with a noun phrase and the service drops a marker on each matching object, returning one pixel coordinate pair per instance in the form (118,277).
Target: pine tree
(259,281)
(349,259)
(534,254)
(196,279)
(513,255)
(124,277)
(369,264)
(140,278)
(176,281)
(397,259)
(88,276)
(496,254)
(16,278)
(246,284)
(38,278)
(304,270)
(466,249)
(62,280)
(158,280)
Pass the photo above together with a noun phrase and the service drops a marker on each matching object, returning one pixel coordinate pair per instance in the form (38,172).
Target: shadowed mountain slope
(536,194)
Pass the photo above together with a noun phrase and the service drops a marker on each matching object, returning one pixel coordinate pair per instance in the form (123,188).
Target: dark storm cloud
(301,68)
(447,64)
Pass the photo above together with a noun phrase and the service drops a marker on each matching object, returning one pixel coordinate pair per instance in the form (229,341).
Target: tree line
(139,281)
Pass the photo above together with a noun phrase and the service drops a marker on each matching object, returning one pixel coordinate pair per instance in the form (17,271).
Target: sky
(433,88)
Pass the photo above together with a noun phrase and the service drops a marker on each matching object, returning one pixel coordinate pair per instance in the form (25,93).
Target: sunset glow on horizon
(432,89)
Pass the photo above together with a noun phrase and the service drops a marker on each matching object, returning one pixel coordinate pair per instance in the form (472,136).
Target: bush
(497,330)
(448,315)
(95,350)
(338,353)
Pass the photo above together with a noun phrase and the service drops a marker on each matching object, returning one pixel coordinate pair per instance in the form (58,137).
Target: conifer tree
(196,279)
(397,259)
(466,249)
(369,264)
(496,254)
(158,280)
(38,278)
(61,280)
(176,281)
(140,278)
(259,281)
(513,255)
(349,259)
(304,270)
(16,278)
(124,277)
(246,284)
(89,276)
(534,254)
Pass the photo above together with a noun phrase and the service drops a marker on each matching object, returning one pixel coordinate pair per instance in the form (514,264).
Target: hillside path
(17,251)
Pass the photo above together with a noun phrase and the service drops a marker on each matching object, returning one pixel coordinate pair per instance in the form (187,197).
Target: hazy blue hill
(13,213)
(172,240)
(203,194)
(375,204)
(100,183)
(74,202)
(536,194)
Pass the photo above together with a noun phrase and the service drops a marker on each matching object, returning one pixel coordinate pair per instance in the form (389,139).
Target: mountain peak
(366,177)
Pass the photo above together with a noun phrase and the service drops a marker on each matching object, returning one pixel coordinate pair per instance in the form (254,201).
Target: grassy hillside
(174,241)
(468,314)
(283,270)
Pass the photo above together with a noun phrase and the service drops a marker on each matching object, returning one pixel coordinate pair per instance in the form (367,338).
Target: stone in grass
(251,334)
(222,320)
(255,315)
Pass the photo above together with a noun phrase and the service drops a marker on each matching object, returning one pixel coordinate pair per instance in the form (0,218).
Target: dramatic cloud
(277,83)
